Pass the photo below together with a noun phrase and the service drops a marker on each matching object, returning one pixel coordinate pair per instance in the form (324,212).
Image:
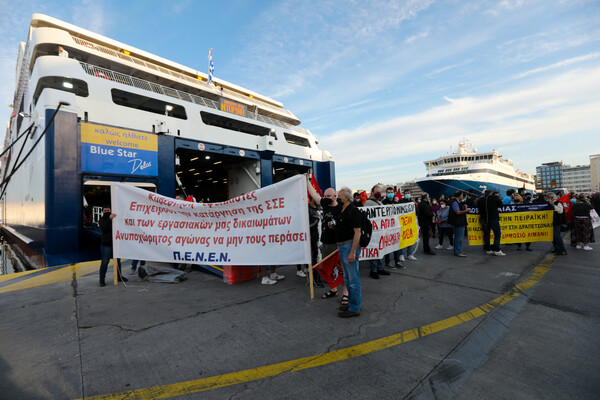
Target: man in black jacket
(106,249)
(488,206)
(425,222)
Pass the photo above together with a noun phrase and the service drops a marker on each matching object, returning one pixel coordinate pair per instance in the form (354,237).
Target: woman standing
(582,223)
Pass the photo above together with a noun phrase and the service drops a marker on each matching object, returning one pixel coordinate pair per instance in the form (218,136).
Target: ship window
(77,86)
(149,104)
(233,124)
(297,140)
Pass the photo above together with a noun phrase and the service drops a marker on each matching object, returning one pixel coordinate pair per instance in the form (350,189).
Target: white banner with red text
(394,228)
(268,226)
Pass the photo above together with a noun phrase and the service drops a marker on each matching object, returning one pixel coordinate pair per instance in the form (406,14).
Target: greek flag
(211,67)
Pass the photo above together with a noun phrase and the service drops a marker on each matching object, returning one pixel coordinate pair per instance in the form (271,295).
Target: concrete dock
(523,326)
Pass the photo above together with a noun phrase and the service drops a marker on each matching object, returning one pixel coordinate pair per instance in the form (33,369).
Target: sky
(383,85)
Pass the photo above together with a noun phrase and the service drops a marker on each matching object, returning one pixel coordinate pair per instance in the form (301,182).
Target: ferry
(89,110)
(467,170)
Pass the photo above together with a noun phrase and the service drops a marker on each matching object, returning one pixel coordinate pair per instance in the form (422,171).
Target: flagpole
(310,278)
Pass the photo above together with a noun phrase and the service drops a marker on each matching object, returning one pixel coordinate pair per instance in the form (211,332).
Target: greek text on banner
(394,228)
(268,226)
(519,223)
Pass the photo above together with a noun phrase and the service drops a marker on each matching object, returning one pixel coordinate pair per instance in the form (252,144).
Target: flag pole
(115,273)
(310,278)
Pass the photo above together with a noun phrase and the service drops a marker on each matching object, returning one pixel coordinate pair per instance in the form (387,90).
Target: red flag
(330,269)
(190,198)
(363,197)
(398,195)
(315,185)
(566,202)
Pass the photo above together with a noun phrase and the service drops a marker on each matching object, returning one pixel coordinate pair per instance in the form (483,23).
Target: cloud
(421,35)
(563,105)
(504,6)
(89,14)
(559,64)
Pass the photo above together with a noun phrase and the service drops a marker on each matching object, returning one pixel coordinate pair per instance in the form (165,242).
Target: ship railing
(135,60)
(103,73)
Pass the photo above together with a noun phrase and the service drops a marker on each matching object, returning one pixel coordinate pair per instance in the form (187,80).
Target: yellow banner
(410,232)
(516,227)
(118,137)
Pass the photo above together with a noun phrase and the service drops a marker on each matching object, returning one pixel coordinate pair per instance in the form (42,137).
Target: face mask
(434,202)
(390,196)
(442,206)
(377,195)
(573,200)
(107,213)
(407,196)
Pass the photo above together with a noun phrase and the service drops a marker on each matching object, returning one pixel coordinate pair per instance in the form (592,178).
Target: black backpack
(366,230)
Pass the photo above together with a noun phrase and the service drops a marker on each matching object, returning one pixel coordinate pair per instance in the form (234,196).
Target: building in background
(595,172)
(415,190)
(577,178)
(550,175)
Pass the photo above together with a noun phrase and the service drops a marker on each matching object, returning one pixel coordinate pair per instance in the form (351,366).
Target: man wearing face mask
(376,265)
(106,249)
(488,206)
(410,250)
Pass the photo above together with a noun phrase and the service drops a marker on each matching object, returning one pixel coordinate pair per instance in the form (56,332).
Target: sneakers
(301,274)
(450,247)
(460,255)
(578,247)
(439,247)
(102,283)
(267,281)
(587,248)
(399,265)
(431,253)
(374,275)
(276,277)
(411,257)
(383,272)
(489,252)
(499,253)
(122,279)
(132,271)
(402,258)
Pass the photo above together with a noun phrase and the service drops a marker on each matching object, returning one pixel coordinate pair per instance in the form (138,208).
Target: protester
(376,266)
(435,208)
(582,223)
(557,220)
(357,201)
(409,250)
(134,264)
(271,279)
(458,219)
(389,200)
(517,199)
(470,200)
(488,206)
(106,247)
(509,195)
(444,228)
(425,222)
(331,210)
(347,236)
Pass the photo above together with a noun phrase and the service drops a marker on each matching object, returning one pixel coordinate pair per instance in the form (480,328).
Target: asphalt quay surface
(520,326)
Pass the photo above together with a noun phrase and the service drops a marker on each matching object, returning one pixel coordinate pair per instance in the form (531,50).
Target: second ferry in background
(468,170)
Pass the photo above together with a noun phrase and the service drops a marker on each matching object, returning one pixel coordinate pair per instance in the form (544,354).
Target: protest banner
(519,223)
(268,226)
(394,228)
(595,219)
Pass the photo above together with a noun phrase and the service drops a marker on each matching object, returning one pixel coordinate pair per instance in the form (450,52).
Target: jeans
(351,276)
(558,243)
(106,253)
(494,226)
(374,265)
(459,235)
(134,264)
(386,258)
(407,251)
